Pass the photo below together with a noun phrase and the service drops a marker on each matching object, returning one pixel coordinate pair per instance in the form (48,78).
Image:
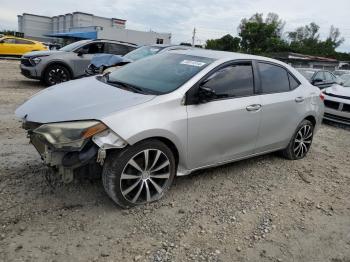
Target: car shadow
(337,125)
(24,84)
(228,169)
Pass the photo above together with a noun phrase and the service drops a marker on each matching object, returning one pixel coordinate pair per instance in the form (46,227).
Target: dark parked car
(320,78)
(69,62)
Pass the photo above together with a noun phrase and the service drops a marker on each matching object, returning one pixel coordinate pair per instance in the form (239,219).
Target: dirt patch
(261,209)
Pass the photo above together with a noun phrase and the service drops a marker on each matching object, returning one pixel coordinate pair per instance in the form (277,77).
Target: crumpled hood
(41,53)
(82,99)
(338,90)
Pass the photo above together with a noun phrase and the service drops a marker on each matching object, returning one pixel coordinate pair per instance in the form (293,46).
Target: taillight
(322,97)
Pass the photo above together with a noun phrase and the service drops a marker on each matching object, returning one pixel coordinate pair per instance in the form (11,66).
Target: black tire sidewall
(291,144)
(51,67)
(116,161)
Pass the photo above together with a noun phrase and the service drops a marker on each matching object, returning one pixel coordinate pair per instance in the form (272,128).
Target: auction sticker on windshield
(192,63)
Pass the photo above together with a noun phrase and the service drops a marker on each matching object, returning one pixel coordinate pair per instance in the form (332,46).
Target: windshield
(160,74)
(73,46)
(142,52)
(307,73)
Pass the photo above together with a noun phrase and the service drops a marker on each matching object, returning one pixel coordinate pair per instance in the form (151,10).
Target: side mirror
(82,52)
(205,94)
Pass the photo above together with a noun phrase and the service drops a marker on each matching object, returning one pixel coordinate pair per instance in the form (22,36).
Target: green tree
(306,40)
(259,35)
(225,43)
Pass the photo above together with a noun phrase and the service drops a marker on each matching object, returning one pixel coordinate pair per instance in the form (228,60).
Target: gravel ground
(263,209)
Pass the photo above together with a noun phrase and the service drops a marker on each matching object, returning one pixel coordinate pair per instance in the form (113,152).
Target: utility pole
(193,36)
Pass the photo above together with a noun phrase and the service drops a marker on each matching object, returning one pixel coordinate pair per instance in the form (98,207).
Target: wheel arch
(312,119)
(166,140)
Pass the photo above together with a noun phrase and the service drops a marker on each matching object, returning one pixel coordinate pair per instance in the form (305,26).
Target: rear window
(117,49)
(293,83)
(274,79)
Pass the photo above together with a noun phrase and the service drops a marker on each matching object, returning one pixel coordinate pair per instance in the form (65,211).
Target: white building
(78,25)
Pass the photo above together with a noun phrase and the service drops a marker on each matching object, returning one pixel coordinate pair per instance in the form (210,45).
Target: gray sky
(212,18)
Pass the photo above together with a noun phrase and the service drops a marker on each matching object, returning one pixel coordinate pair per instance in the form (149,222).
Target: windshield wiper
(129,87)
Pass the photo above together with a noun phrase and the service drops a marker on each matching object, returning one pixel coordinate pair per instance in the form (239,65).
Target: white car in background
(337,103)
(345,77)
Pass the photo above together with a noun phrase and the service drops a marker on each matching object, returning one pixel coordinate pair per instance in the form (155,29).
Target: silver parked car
(69,62)
(320,78)
(169,115)
(143,52)
(337,103)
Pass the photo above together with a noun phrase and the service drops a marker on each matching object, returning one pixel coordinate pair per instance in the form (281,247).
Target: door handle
(299,99)
(255,107)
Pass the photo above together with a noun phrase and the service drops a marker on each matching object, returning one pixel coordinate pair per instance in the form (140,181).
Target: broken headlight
(69,134)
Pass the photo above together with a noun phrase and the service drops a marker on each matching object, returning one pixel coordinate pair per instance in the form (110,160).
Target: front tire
(139,174)
(56,74)
(301,141)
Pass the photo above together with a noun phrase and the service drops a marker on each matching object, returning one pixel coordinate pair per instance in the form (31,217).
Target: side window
(9,41)
(319,76)
(329,77)
(131,48)
(293,83)
(117,49)
(94,48)
(232,81)
(274,79)
(23,42)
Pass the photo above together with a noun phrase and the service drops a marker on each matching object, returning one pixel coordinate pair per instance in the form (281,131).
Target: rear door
(282,104)
(226,127)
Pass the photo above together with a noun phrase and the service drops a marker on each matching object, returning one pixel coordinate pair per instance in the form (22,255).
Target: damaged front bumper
(68,161)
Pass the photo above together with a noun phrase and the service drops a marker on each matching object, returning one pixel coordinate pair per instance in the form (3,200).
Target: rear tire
(301,141)
(130,180)
(56,74)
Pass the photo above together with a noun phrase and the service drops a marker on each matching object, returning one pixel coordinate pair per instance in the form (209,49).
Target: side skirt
(183,172)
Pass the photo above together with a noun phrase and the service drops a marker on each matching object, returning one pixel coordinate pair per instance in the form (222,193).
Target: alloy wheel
(145,176)
(303,140)
(57,75)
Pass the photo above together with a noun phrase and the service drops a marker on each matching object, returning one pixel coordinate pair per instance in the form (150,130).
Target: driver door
(225,127)
(84,55)
(8,47)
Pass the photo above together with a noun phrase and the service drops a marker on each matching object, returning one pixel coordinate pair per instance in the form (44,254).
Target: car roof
(22,38)
(309,69)
(114,41)
(223,55)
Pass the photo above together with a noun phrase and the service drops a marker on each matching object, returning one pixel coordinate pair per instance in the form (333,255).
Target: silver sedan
(169,115)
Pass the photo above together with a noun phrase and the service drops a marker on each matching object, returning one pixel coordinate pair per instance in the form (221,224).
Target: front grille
(25,72)
(331,104)
(337,118)
(346,108)
(26,62)
(333,95)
